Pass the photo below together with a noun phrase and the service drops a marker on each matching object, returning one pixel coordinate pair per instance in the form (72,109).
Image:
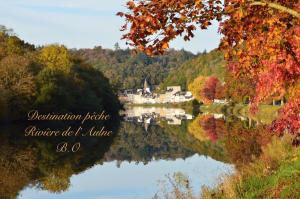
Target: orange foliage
(261,40)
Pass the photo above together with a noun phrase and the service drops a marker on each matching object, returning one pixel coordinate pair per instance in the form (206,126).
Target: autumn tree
(220,90)
(14,45)
(196,88)
(206,89)
(260,39)
(48,79)
(17,85)
(11,44)
(210,88)
(239,89)
(55,57)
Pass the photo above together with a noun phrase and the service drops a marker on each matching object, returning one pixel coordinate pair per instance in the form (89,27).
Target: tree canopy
(204,64)
(48,78)
(127,69)
(260,39)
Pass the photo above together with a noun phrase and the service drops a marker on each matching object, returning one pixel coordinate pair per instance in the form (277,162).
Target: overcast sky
(81,24)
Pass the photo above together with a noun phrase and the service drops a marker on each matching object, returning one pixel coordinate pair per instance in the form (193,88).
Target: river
(150,146)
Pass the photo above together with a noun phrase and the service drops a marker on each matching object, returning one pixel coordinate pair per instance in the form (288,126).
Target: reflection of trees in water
(15,169)
(34,161)
(165,141)
(206,148)
(134,143)
(243,143)
(240,142)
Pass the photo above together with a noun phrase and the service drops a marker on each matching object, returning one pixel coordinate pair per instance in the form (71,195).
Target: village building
(154,115)
(173,94)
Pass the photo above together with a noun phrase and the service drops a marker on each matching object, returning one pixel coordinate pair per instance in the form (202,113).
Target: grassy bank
(275,174)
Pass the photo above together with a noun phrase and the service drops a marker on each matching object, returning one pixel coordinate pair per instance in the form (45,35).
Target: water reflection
(34,161)
(241,139)
(134,180)
(150,115)
(132,161)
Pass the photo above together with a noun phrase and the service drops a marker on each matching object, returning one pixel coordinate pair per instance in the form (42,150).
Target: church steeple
(146,84)
(147,88)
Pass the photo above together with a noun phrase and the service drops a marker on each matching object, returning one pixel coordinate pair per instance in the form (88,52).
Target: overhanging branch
(277,6)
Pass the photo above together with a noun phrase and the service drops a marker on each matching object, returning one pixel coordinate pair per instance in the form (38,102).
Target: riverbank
(190,106)
(275,174)
(265,115)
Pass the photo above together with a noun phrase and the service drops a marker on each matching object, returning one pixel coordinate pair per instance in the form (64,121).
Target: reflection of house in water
(173,94)
(153,115)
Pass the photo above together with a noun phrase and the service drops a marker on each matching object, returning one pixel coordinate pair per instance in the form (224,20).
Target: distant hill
(205,64)
(126,69)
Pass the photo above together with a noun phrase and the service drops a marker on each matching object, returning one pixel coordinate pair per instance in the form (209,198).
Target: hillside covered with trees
(205,64)
(128,69)
(48,78)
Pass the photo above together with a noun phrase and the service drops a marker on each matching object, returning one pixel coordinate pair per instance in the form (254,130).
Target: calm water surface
(132,180)
(150,143)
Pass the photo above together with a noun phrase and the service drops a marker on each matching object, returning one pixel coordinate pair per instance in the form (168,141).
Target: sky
(82,24)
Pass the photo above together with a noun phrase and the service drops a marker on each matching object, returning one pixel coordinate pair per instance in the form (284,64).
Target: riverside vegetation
(260,42)
(258,63)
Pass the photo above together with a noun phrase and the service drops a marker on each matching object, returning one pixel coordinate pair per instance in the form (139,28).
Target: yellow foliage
(13,45)
(196,130)
(294,90)
(58,180)
(56,57)
(196,87)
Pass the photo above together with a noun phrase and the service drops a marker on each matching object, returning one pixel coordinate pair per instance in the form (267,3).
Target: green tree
(205,64)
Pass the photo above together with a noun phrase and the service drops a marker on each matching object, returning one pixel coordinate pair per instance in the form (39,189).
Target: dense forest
(128,68)
(48,78)
(205,64)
